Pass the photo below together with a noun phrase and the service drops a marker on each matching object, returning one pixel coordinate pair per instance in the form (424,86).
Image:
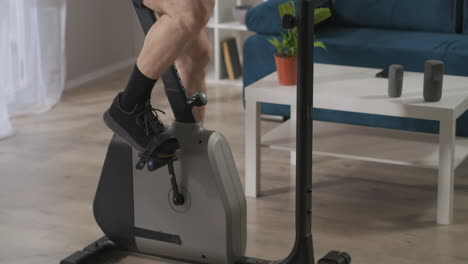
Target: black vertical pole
(303,252)
(305,93)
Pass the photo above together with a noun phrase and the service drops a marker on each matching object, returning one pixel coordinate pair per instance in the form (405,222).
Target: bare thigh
(181,21)
(182,8)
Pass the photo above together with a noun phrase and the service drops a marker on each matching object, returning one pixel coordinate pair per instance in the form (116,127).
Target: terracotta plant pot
(287,70)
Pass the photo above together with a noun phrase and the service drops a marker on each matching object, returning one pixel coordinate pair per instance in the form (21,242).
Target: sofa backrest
(265,18)
(419,15)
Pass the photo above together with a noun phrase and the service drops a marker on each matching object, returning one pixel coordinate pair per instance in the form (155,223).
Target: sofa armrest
(265,18)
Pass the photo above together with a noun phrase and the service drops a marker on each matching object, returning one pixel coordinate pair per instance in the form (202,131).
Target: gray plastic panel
(221,156)
(212,225)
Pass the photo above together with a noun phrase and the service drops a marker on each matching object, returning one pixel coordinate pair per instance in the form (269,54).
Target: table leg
(293,158)
(293,118)
(252,149)
(447,168)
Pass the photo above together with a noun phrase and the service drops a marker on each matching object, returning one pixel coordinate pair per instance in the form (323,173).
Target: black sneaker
(141,127)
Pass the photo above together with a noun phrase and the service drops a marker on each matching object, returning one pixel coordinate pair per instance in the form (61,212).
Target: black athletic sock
(138,90)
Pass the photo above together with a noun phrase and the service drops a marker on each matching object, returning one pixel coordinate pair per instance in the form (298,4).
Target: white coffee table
(355,89)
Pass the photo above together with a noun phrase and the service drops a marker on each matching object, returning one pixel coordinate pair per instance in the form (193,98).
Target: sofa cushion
(367,48)
(420,15)
(380,48)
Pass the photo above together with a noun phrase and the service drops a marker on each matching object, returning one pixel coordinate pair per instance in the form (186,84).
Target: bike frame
(302,252)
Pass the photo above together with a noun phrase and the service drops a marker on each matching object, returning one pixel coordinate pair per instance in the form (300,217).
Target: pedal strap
(147,155)
(150,154)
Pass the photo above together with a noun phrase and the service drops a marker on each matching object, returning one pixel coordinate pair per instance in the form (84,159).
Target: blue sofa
(371,33)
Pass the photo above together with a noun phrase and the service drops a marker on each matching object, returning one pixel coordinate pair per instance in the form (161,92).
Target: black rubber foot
(335,257)
(91,254)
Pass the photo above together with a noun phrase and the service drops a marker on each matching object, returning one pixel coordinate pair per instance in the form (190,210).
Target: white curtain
(32,57)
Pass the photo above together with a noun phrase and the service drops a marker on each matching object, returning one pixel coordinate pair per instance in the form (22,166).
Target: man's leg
(193,64)
(130,115)
(180,22)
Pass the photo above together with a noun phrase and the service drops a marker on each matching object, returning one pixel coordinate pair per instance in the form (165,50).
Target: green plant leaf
(321,14)
(288,8)
(281,46)
(284,35)
(319,44)
(288,46)
(274,42)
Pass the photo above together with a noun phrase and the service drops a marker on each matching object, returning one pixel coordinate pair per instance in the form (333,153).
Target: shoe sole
(119,131)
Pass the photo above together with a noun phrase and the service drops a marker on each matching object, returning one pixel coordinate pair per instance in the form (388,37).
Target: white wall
(102,36)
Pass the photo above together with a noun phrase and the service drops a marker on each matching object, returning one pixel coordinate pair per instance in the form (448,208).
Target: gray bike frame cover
(211,224)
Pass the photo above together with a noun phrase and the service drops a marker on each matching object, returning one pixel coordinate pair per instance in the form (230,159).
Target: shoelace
(149,120)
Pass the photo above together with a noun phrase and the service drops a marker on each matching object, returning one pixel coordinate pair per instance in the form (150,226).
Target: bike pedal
(157,163)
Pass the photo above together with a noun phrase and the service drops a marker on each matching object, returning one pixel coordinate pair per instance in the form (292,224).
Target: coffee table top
(356,89)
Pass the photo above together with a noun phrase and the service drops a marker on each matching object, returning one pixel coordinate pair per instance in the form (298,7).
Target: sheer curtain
(32,57)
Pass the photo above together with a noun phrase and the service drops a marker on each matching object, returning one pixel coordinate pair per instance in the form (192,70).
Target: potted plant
(286,56)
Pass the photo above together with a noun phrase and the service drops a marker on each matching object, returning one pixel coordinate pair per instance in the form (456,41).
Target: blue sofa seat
(346,46)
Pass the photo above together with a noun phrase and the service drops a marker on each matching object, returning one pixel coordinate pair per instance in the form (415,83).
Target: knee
(193,17)
(197,58)
(203,55)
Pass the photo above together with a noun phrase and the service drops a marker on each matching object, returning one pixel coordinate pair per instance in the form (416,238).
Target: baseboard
(77,82)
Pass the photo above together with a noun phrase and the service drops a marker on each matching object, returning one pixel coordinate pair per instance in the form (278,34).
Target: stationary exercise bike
(192,208)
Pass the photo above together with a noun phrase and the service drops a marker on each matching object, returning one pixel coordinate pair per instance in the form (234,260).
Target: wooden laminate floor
(380,213)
